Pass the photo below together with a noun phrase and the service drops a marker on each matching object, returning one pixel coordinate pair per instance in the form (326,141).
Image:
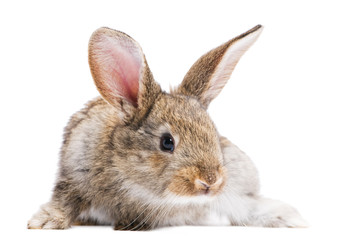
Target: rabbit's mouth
(193,182)
(186,200)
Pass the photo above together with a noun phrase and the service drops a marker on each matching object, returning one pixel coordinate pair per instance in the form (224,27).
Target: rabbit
(139,158)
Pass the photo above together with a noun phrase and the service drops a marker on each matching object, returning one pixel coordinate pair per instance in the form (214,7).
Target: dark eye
(167,143)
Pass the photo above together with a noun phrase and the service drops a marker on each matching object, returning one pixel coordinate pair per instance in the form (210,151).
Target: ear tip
(258,28)
(253,33)
(99,36)
(100,31)
(103,32)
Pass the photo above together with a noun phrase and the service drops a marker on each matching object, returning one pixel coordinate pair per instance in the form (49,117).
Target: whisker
(144,204)
(146,219)
(160,212)
(165,211)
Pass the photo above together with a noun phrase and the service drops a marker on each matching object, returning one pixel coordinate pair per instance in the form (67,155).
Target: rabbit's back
(87,147)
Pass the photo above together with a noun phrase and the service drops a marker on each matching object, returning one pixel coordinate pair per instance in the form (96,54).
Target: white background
(293,103)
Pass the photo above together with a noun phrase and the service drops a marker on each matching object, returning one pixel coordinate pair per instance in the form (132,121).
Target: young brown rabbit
(139,158)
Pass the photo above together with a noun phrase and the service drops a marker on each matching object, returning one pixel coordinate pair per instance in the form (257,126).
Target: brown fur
(196,81)
(111,154)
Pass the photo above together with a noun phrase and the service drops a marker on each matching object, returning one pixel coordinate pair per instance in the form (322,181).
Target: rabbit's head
(166,142)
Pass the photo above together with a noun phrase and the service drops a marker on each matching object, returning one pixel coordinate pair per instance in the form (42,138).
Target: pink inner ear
(121,66)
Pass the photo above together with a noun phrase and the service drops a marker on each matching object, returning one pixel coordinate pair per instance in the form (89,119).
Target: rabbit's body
(82,169)
(140,158)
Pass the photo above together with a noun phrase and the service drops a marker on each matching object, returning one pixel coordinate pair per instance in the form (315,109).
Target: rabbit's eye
(167,143)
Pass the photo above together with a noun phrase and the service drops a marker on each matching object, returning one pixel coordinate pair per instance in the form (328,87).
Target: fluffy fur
(113,171)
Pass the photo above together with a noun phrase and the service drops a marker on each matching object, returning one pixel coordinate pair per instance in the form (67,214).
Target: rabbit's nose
(212,185)
(202,185)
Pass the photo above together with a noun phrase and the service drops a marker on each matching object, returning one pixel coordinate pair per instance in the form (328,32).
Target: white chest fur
(96,214)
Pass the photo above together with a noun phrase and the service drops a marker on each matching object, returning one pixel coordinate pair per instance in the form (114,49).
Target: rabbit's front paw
(48,217)
(272,213)
(286,219)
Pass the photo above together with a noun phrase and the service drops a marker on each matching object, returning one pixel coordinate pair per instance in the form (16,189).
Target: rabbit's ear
(120,70)
(210,73)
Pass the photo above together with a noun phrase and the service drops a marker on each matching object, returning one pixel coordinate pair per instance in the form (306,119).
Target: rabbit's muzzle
(196,181)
